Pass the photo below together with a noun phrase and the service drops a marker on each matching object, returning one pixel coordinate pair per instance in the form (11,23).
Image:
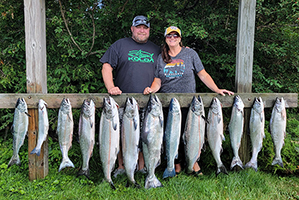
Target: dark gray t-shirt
(179,75)
(133,64)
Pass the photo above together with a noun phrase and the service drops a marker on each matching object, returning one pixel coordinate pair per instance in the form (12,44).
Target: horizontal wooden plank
(8,100)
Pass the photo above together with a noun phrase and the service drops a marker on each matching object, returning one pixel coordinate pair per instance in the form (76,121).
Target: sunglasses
(172,35)
(141,21)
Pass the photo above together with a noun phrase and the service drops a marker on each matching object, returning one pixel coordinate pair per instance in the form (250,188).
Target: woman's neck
(173,51)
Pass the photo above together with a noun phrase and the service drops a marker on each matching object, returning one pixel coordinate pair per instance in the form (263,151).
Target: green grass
(245,184)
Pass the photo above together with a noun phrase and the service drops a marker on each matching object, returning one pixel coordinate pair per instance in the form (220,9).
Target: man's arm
(108,79)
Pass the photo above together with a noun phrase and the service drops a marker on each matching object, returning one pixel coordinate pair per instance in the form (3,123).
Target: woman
(175,73)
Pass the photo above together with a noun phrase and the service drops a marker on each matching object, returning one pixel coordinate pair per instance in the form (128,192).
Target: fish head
(197,105)
(65,106)
(110,107)
(21,105)
(258,105)
(131,107)
(216,106)
(88,107)
(279,104)
(154,106)
(174,105)
(42,104)
(238,103)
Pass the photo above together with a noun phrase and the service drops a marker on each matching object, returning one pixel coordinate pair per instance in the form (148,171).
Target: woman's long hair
(165,55)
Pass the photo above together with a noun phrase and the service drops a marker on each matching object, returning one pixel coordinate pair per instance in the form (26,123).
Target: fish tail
(168,173)
(221,169)
(112,185)
(252,164)
(134,184)
(36,151)
(84,172)
(66,163)
(278,161)
(152,183)
(236,161)
(15,159)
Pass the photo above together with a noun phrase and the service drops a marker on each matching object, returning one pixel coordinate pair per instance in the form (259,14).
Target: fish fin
(204,146)
(221,169)
(66,163)
(91,124)
(153,183)
(112,185)
(36,151)
(84,172)
(135,184)
(114,124)
(161,121)
(277,161)
(167,173)
(252,165)
(15,159)
(144,138)
(12,129)
(205,119)
(135,124)
(69,117)
(236,162)
(218,118)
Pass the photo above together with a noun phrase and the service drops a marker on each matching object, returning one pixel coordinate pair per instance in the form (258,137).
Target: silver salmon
(86,134)
(130,135)
(278,124)
(172,136)
(257,132)
(194,132)
(152,137)
(235,127)
(65,128)
(19,130)
(43,126)
(215,133)
(109,137)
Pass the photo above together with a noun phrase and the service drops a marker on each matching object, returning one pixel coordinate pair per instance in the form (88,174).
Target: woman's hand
(147,90)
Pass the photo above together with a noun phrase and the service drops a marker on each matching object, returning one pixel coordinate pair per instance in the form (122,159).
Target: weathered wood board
(8,100)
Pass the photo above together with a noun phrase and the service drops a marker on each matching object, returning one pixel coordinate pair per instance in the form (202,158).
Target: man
(133,61)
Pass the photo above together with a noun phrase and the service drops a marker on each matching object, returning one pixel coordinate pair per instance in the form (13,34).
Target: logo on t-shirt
(174,69)
(140,56)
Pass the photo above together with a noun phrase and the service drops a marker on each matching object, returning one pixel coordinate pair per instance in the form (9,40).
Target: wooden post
(244,64)
(36,72)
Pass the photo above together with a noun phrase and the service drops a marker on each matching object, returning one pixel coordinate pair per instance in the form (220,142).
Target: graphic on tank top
(174,69)
(140,56)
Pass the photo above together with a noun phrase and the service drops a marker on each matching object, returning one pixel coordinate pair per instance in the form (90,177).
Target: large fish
(152,137)
(278,123)
(65,128)
(43,126)
(172,136)
(256,128)
(19,130)
(235,128)
(109,137)
(86,134)
(194,132)
(215,133)
(130,135)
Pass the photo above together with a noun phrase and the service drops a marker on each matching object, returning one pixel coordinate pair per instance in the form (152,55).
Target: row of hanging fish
(256,129)
(110,134)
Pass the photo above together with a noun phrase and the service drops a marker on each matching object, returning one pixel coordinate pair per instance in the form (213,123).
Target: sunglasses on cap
(172,35)
(141,21)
